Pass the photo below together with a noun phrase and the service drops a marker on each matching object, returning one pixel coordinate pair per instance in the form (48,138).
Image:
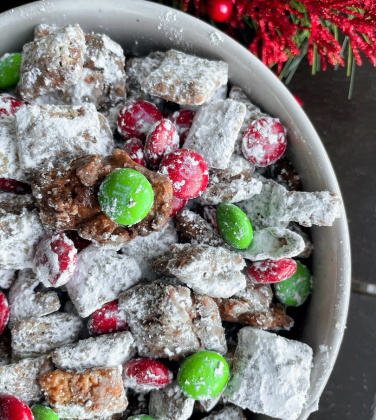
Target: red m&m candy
(107,319)
(11,408)
(4,312)
(177,205)
(135,150)
(264,141)
(182,120)
(161,140)
(136,118)
(146,372)
(14,186)
(55,259)
(8,105)
(187,171)
(269,271)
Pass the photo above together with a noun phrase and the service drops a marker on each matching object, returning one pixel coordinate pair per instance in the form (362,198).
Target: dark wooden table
(348,131)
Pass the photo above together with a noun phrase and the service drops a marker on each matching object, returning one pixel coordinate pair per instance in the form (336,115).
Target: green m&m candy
(41,412)
(141,417)
(203,375)
(295,290)
(9,70)
(234,226)
(125,196)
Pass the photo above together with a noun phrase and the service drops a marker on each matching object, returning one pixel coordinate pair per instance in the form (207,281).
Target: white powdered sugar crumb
(25,302)
(170,403)
(9,161)
(214,130)
(168,23)
(21,231)
(46,133)
(107,350)
(270,374)
(21,379)
(273,243)
(100,275)
(215,38)
(144,249)
(36,336)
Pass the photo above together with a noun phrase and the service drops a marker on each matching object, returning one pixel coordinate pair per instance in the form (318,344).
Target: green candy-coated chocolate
(141,417)
(295,290)
(203,375)
(9,70)
(234,226)
(125,196)
(41,412)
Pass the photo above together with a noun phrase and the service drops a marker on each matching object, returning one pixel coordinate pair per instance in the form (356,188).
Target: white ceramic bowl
(141,27)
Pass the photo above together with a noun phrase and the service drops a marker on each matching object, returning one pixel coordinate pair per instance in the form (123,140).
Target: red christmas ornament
(219,10)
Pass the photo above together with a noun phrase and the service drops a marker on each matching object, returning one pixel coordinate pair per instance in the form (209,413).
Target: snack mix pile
(146,208)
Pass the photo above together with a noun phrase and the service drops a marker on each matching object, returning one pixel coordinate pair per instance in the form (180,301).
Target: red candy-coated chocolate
(161,140)
(182,120)
(264,141)
(14,186)
(11,408)
(209,213)
(55,245)
(107,319)
(219,10)
(269,271)
(136,118)
(8,105)
(79,243)
(187,171)
(177,205)
(135,150)
(4,312)
(147,372)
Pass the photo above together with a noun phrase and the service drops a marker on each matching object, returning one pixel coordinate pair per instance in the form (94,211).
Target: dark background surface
(348,131)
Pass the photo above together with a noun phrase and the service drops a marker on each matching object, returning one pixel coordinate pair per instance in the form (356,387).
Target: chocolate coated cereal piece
(281,365)
(252,114)
(21,379)
(9,160)
(233,184)
(107,350)
(67,198)
(214,130)
(273,243)
(169,321)
(103,78)
(36,336)
(43,29)
(52,63)
(144,249)
(25,302)
(253,306)
(170,403)
(212,271)
(88,395)
(21,231)
(229,412)
(51,132)
(186,79)
(195,230)
(276,206)
(7,278)
(100,275)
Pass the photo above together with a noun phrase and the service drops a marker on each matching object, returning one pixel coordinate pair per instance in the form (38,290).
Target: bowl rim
(39,9)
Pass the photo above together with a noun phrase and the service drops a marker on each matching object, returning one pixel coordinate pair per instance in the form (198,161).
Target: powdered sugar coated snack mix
(153,238)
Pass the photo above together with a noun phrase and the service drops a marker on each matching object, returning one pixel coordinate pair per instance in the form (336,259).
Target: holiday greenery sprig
(282,32)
